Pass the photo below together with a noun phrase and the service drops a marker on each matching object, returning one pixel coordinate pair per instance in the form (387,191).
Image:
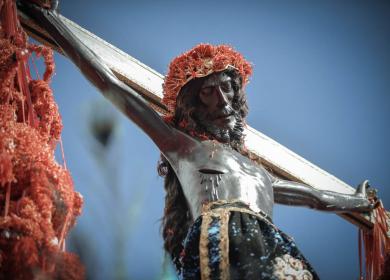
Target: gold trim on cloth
(222,214)
(213,205)
(203,247)
(224,244)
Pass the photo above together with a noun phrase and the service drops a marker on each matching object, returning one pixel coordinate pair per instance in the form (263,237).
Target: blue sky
(320,87)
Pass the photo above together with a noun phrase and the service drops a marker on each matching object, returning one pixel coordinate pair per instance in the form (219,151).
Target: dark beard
(233,136)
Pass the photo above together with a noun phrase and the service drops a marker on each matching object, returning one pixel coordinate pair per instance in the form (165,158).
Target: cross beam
(147,82)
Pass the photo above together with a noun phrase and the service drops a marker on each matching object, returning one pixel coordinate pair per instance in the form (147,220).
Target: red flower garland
(38,204)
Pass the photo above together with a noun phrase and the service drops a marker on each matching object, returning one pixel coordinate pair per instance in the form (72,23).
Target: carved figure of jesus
(217,222)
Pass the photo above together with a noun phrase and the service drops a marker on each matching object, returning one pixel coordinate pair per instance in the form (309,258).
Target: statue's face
(215,111)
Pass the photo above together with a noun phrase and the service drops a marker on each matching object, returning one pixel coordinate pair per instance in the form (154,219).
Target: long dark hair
(177,218)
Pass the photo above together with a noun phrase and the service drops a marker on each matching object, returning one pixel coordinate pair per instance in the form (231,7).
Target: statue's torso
(210,171)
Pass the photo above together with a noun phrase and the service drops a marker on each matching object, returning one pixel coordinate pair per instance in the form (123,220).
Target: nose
(214,97)
(222,98)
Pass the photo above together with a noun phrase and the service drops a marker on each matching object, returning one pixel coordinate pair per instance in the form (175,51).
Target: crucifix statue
(217,222)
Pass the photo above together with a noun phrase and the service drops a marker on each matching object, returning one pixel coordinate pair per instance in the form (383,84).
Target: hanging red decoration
(377,245)
(38,204)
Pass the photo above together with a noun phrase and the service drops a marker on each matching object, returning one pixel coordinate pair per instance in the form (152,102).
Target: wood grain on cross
(147,82)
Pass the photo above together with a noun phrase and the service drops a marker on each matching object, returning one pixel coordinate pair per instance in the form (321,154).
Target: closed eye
(207,91)
(210,171)
(226,86)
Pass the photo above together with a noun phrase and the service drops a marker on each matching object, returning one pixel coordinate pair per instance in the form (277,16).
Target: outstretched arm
(293,193)
(94,69)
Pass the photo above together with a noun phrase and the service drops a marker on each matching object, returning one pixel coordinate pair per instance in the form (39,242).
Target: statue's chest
(211,157)
(219,172)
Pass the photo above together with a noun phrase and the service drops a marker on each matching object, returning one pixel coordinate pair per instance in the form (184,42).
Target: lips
(224,120)
(223,114)
(223,117)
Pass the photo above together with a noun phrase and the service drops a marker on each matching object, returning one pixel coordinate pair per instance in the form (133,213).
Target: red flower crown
(201,61)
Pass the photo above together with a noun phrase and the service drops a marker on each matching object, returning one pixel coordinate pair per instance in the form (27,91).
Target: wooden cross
(280,160)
